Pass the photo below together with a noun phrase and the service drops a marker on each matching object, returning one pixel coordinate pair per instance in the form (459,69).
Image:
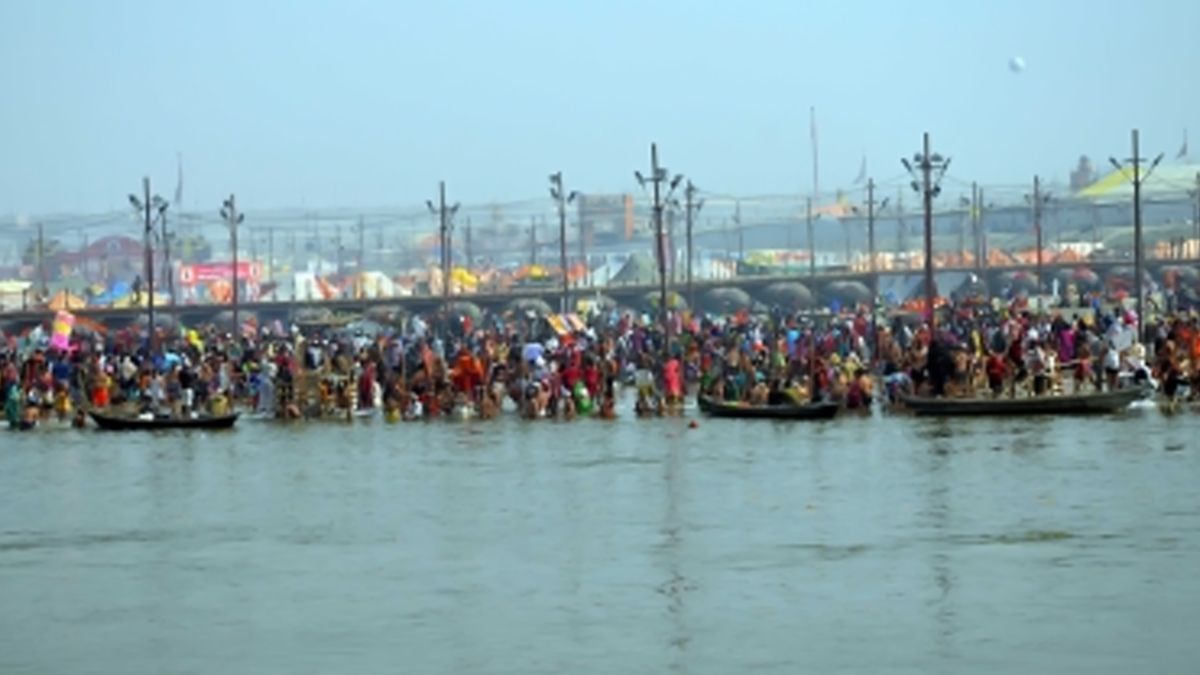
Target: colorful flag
(862,172)
(60,337)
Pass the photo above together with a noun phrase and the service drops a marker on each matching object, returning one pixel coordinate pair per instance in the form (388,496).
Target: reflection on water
(880,545)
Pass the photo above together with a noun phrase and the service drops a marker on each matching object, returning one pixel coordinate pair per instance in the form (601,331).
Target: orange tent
(64,301)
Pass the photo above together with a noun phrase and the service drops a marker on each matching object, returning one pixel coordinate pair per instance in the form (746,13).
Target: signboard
(204,273)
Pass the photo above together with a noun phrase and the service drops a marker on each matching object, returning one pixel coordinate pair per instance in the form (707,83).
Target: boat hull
(813,411)
(1078,404)
(116,423)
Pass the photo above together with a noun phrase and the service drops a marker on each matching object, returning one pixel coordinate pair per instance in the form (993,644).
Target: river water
(860,545)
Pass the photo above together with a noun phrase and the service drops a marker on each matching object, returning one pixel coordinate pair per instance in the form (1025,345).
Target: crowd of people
(450,366)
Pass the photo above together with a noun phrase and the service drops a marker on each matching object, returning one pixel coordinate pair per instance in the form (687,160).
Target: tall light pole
(41,263)
(533,243)
(1195,194)
(148,206)
(1037,200)
(168,273)
(871,263)
(929,186)
(737,226)
(561,199)
(1136,179)
(233,219)
(975,233)
(444,214)
(812,245)
(693,207)
(983,239)
(658,176)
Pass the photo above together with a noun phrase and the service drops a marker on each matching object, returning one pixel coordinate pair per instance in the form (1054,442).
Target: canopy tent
(726,300)
(791,295)
(1167,180)
(64,300)
(849,292)
(530,305)
(638,269)
(674,300)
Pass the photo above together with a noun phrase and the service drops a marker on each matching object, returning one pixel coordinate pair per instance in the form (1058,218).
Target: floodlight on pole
(932,168)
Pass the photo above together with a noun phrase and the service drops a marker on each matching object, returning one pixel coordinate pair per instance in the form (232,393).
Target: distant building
(606,218)
(1083,175)
(113,258)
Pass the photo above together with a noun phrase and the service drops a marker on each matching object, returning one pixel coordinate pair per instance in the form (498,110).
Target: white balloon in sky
(1016,64)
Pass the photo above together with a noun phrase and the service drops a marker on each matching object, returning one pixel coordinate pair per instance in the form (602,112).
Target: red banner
(203,273)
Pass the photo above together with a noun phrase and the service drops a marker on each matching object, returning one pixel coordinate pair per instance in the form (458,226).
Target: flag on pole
(1183,149)
(179,182)
(862,172)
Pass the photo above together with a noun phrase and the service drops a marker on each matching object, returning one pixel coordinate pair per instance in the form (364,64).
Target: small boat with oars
(1096,403)
(111,422)
(823,410)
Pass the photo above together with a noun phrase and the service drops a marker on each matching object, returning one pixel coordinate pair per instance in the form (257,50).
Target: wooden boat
(1073,404)
(811,411)
(123,423)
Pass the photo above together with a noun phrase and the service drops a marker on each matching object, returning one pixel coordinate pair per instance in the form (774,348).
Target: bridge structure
(631,295)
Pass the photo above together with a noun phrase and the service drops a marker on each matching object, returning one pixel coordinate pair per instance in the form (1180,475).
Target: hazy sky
(370,103)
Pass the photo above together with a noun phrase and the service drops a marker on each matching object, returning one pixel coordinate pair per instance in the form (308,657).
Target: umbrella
(1176,275)
(1021,281)
(160,321)
(1081,277)
(461,308)
(224,319)
(601,303)
(674,300)
(313,315)
(367,327)
(726,300)
(791,295)
(849,292)
(387,314)
(526,305)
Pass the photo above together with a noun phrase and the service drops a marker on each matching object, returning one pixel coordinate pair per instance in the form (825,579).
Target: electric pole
(929,186)
(467,245)
(978,247)
(532,241)
(362,244)
(1137,179)
(658,176)
(583,244)
(147,206)
(561,199)
(871,262)
(1037,199)
(983,240)
(233,219)
(737,226)
(41,263)
(444,214)
(292,253)
(693,207)
(812,247)
(338,249)
(1196,216)
(168,273)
